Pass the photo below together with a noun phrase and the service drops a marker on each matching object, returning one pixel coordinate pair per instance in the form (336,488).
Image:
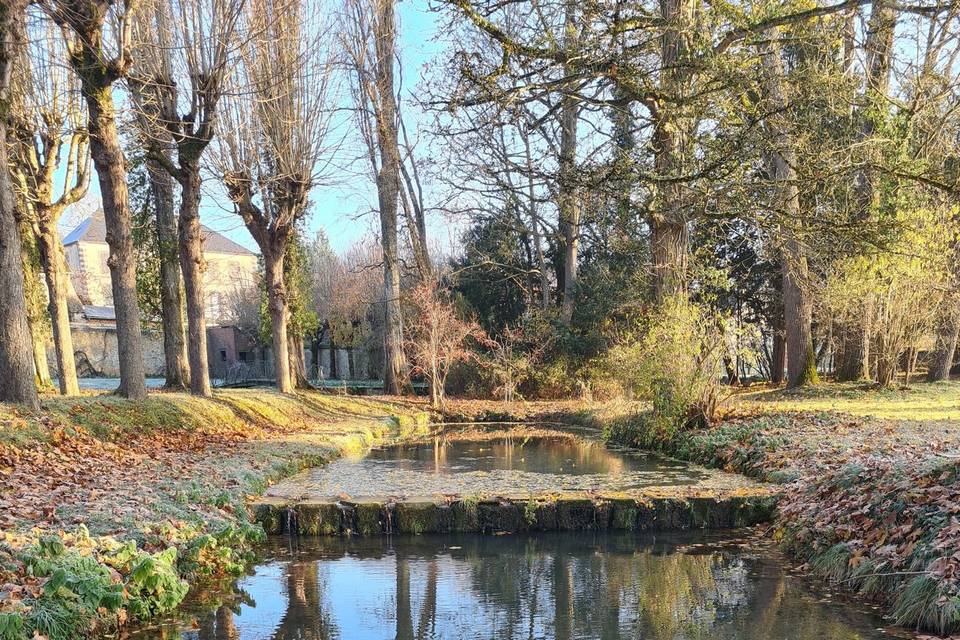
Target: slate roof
(94,229)
(99,313)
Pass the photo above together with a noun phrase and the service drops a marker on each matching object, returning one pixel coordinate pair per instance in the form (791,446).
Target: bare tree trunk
(535,228)
(111,172)
(277,303)
(16,359)
(192,265)
(569,196)
(797,301)
(171,300)
(57,278)
(395,362)
(668,221)
(388,190)
(778,358)
(41,365)
(29,257)
(941,360)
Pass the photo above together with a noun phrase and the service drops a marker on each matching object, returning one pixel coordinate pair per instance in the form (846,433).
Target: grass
(939,401)
(165,480)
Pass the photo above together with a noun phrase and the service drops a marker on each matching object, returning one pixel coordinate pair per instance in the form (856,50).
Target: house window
(223,355)
(243,356)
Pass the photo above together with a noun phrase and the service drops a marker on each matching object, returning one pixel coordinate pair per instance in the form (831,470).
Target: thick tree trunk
(798,316)
(668,219)
(388,190)
(277,303)
(16,358)
(941,359)
(57,278)
(797,301)
(171,300)
(111,171)
(192,265)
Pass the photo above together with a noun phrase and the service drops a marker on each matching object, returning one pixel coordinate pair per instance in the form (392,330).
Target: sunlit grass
(237,411)
(920,401)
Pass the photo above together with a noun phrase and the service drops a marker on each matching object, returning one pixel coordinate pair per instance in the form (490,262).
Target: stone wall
(96,352)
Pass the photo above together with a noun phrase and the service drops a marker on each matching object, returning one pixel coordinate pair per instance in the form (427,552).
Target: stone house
(231,270)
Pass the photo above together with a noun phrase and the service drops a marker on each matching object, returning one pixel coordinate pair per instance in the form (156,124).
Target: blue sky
(345,207)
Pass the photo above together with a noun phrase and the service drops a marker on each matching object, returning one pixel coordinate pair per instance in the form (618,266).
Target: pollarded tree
(371,51)
(177,84)
(52,164)
(98,40)
(16,358)
(274,144)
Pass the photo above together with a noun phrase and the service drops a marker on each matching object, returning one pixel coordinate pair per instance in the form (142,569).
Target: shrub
(676,364)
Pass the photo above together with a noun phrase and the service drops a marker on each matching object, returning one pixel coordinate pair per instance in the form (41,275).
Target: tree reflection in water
(561,586)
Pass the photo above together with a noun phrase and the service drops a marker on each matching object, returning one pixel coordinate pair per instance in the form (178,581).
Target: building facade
(230,275)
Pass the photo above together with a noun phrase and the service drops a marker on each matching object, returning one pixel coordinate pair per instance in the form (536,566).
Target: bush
(676,364)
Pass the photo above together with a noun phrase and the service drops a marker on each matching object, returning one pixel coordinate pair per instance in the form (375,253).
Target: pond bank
(108,507)
(871,484)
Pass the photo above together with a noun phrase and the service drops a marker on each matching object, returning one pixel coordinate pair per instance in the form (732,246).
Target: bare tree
(438,338)
(178,83)
(568,200)
(97,35)
(371,45)
(16,358)
(274,141)
(414,209)
(52,163)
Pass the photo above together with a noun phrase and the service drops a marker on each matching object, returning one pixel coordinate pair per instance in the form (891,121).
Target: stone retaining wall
(505,515)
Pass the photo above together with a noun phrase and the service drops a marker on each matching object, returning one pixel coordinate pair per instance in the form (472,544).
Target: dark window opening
(243,356)
(223,355)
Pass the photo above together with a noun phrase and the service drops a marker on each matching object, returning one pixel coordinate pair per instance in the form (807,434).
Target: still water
(559,586)
(499,465)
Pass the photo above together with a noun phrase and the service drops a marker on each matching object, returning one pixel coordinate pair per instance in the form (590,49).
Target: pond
(681,586)
(514,463)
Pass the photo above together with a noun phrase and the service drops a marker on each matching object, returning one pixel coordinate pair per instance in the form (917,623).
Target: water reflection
(561,586)
(504,466)
(533,455)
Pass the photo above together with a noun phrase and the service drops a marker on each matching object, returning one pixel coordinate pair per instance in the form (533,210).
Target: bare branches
(277,119)
(47,118)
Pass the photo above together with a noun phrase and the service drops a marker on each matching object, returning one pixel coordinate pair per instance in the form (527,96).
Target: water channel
(724,585)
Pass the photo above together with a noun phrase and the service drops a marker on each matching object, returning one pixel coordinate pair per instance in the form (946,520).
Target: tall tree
(178,83)
(372,49)
(98,39)
(782,162)
(669,231)
(16,357)
(569,199)
(52,164)
(273,148)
